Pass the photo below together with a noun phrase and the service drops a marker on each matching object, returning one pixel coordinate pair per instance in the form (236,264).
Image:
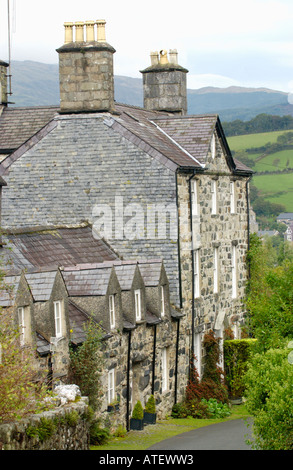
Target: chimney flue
(86,69)
(164,84)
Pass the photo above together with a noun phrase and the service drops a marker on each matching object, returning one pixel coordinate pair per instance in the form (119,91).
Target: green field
(275,187)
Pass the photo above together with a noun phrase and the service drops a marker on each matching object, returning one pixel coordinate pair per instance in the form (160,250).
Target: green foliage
(269,385)
(236,355)
(269,295)
(261,123)
(98,435)
(72,418)
(45,430)
(137,412)
(86,364)
(150,406)
(22,392)
(216,409)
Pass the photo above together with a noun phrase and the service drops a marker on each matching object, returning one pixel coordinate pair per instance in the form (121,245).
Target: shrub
(150,406)
(98,435)
(216,409)
(269,381)
(137,412)
(237,353)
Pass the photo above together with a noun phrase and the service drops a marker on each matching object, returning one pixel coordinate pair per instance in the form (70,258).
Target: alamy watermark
(135,221)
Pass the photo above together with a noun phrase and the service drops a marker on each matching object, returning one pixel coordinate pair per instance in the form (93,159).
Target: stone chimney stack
(3,83)
(164,84)
(86,69)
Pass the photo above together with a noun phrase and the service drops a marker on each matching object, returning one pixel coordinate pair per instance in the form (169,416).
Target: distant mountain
(35,84)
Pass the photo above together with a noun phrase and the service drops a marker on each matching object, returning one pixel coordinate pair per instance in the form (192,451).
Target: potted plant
(150,415)
(113,406)
(136,420)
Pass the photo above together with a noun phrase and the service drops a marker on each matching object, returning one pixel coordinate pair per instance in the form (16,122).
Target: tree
(22,390)
(86,362)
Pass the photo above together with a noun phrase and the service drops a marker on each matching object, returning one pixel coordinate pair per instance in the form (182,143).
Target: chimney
(3,83)
(164,84)
(86,69)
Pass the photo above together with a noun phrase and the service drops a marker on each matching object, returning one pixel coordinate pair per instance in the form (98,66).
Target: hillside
(270,155)
(35,83)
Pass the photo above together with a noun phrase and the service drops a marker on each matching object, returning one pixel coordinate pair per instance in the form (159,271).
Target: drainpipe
(128,381)
(192,270)
(176,361)
(178,240)
(154,359)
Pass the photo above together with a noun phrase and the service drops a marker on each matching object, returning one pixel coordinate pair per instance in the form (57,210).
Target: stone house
(151,183)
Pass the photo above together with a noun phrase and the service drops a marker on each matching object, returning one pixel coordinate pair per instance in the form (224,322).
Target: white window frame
(214,191)
(165,371)
(137,300)
(21,322)
(216,270)
(198,354)
(213,146)
(111,385)
(196,275)
(112,311)
(234,272)
(163,309)
(232,197)
(58,318)
(194,198)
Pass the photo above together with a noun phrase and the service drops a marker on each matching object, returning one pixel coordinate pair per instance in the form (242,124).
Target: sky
(221,42)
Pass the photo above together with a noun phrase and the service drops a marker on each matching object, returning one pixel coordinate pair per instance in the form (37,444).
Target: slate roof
(17,125)
(53,248)
(177,141)
(8,291)
(87,281)
(41,284)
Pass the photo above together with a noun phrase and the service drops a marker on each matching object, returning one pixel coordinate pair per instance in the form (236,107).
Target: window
(164,370)
(214,190)
(21,322)
(112,311)
(194,197)
(162,301)
(216,270)
(234,272)
(58,321)
(197,353)
(137,298)
(196,268)
(232,197)
(213,146)
(111,385)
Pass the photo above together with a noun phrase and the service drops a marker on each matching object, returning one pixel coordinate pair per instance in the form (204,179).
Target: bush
(150,406)
(236,353)
(137,412)
(216,409)
(269,382)
(98,435)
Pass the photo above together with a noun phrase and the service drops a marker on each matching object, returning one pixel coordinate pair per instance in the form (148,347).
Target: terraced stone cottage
(137,217)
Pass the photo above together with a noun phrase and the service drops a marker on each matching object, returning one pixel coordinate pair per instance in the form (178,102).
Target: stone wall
(65,428)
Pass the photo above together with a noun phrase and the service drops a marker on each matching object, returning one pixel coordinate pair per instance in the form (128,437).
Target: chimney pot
(68,33)
(154,58)
(90,31)
(79,33)
(163,57)
(173,55)
(101,35)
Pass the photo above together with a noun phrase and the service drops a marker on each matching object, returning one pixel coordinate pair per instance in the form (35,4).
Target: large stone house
(151,183)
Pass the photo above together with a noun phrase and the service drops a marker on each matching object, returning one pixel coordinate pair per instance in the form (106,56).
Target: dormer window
(214,190)
(58,319)
(112,311)
(162,301)
(213,146)
(232,197)
(137,299)
(21,322)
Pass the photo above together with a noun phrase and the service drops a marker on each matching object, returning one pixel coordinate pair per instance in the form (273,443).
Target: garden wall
(64,428)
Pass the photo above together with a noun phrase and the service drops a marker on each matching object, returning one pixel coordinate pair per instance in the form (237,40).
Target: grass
(275,188)
(142,440)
